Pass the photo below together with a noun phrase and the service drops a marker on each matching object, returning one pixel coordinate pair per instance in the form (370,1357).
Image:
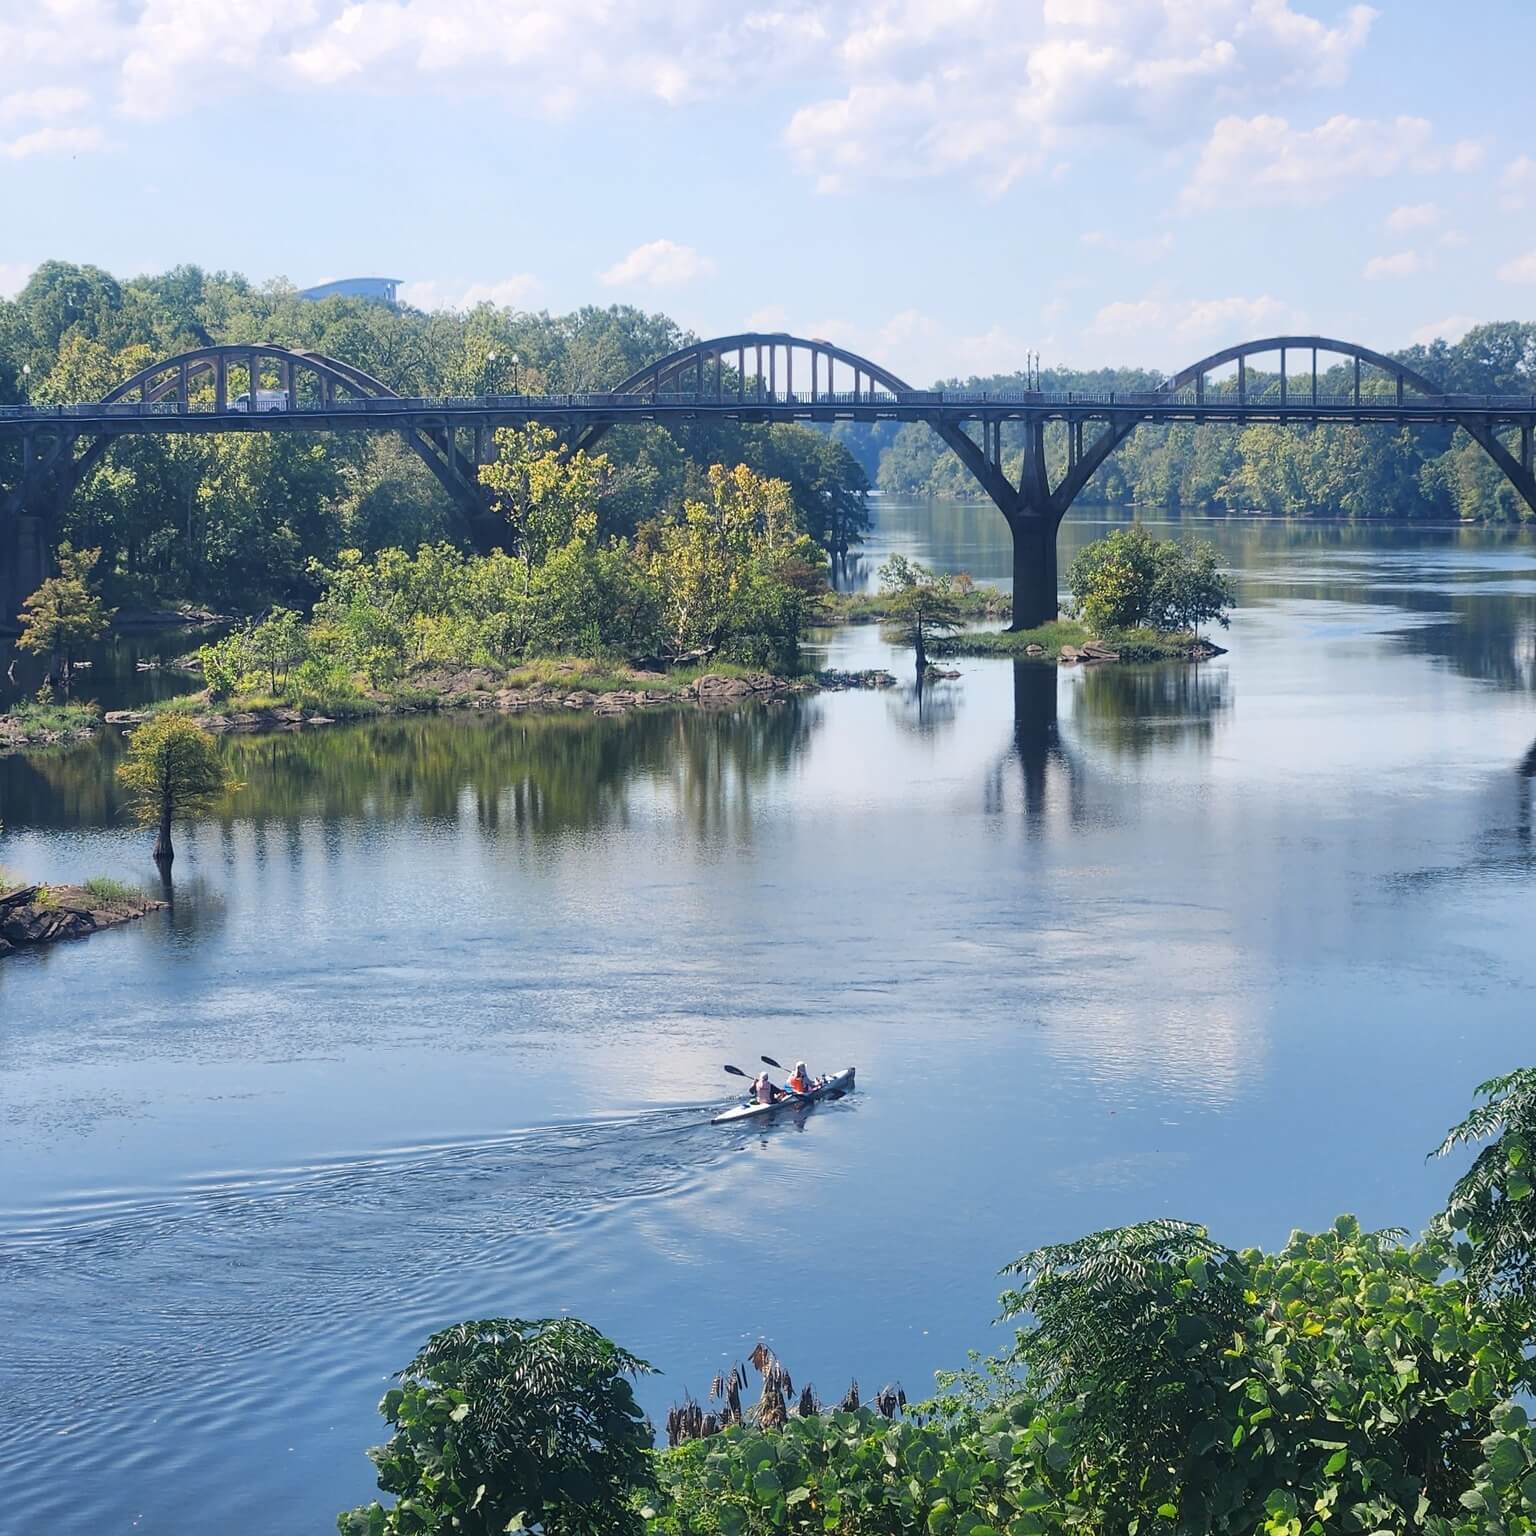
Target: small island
(32,915)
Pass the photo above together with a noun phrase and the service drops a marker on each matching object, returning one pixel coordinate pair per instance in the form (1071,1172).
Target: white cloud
(513,292)
(43,104)
(1518,183)
(1454,239)
(1263,160)
(1140,248)
(657,264)
(1398,264)
(1194,320)
(771,317)
(1450,329)
(975,86)
(990,88)
(1521,270)
(51,141)
(1411,216)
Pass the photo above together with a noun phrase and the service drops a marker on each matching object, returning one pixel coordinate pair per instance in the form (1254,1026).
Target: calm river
(437,1021)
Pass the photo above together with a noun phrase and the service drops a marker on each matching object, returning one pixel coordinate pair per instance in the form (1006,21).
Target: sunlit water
(437,1022)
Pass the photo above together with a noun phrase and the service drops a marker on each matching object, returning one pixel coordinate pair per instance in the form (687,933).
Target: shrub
(503,1424)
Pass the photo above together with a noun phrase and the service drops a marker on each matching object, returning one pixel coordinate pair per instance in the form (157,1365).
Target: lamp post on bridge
(26,383)
(517,381)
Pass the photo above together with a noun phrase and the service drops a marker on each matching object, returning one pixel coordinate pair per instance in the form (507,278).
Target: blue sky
(943,184)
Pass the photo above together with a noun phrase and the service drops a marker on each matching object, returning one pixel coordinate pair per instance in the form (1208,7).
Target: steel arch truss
(753,371)
(197,383)
(1402,385)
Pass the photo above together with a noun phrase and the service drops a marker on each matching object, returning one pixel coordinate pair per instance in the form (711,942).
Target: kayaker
(763,1090)
(800,1082)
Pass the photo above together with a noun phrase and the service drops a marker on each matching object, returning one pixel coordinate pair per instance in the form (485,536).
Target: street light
(490,369)
(517,387)
(26,383)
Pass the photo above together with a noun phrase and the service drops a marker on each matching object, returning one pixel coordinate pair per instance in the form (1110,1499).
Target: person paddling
(763,1090)
(800,1081)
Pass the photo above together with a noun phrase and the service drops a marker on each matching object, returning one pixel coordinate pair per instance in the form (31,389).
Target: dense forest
(242,520)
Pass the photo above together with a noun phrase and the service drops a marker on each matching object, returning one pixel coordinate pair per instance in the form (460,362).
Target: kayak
(833,1087)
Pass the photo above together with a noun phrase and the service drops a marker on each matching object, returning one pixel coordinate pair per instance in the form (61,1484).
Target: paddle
(737,1072)
(771,1062)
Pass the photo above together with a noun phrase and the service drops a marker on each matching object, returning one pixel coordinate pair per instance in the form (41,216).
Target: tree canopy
(237,519)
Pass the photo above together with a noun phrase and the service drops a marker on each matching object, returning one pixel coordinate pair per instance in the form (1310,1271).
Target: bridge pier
(23,566)
(1036,581)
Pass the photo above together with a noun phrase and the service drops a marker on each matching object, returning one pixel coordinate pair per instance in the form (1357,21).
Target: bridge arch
(699,371)
(1403,376)
(173,385)
(174,380)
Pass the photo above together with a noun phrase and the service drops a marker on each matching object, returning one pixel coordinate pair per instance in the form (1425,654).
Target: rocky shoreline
(15,737)
(33,915)
(478,688)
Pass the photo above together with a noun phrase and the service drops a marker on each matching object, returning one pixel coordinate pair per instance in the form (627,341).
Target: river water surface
(436,1023)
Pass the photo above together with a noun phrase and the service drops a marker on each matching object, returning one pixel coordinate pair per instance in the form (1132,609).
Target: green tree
(547,495)
(1494,1201)
(1111,579)
(277,645)
(502,1425)
(922,603)
(733,574)
(172,769)
(65,613)
(1190,587)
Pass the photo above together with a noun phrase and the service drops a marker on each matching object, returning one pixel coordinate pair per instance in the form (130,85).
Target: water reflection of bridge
(750,377)
(1123,711)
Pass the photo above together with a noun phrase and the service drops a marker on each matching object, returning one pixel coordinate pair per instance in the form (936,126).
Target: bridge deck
(386,412)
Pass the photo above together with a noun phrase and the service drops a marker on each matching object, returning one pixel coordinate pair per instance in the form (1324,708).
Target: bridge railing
(1296,399)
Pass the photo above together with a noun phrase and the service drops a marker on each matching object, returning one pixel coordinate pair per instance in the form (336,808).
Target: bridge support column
(1036,588)
(23,566)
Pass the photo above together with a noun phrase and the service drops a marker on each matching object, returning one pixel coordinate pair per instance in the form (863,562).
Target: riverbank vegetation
(723,590)
(1157,1381)
(36,724)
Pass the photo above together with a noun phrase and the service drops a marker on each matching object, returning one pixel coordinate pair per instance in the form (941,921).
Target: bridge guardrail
(1300,400)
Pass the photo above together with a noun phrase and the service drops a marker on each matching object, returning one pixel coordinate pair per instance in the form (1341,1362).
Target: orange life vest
(800,1085)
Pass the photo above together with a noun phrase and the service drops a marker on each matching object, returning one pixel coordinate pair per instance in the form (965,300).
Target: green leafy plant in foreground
(1163,1383)
(1494,1202)
(504,1424)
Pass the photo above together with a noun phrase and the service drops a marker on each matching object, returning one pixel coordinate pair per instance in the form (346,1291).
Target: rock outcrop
(45,914)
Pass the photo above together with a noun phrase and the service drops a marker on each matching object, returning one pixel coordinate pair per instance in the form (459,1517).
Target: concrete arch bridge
(750,377)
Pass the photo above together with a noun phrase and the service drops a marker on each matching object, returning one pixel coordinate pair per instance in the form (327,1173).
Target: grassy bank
(973,604)
(1129,645)
(563,680)
(990,642)
(29,725)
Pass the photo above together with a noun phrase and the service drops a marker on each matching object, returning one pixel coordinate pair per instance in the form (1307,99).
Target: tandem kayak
(833,1087)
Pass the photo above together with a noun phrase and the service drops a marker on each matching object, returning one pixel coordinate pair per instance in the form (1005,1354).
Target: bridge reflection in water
(749,377)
